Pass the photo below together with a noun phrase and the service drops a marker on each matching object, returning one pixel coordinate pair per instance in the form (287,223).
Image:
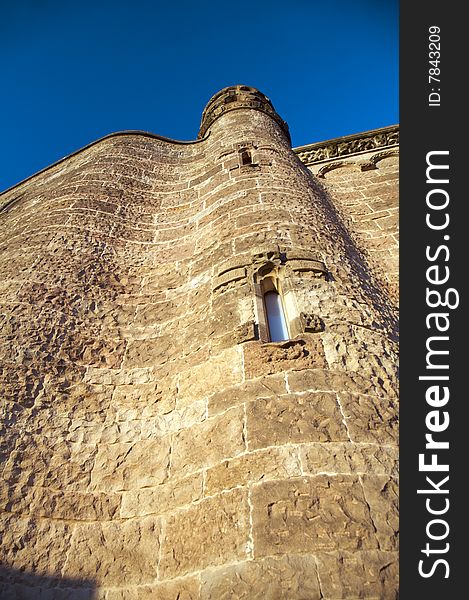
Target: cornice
(349,145)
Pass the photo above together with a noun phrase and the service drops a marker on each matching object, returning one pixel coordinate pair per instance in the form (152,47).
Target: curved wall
(155,447)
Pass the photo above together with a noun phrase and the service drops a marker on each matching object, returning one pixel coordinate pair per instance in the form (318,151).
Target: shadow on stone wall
(372,284)
(21,585)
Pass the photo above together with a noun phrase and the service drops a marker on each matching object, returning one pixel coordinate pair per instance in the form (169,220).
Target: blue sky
(72,72)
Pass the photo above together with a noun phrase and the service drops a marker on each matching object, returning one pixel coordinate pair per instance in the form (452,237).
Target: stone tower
(198,374)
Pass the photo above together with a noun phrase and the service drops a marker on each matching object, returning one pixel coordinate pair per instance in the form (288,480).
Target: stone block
(373,420)
(162,498)
(151,315)
(183,588)
(63,505)
(216,374)
(311,514)
(264,387)
(136,396)
(349,458)
(263,465)
(207,443)
(102,376)
(331,381)
(41,462)
(149,352)
(382,495)
(294,418)
(35,591)
(265,359)
(124,466)
(117,552)
(370,574)
(218,529)
(288,578)
(39,547)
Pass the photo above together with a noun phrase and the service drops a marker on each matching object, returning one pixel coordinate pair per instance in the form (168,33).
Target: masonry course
(155,443)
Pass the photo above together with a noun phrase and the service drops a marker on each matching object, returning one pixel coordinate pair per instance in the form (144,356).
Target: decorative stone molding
(349,145)
(371,164)
(382,155)
(267,261)
(271,268)
(336,165)
(234,98)
(311,323)
(228,276)
(269,253)
(315,267)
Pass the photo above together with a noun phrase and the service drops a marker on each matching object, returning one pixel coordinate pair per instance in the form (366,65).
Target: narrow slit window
(278,330)
(246,157)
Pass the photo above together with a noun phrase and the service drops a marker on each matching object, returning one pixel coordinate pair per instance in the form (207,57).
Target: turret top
(236,97)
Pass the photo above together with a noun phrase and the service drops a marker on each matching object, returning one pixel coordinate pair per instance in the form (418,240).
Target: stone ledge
(348,145)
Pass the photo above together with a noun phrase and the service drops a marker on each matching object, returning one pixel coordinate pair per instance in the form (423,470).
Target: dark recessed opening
(245,157)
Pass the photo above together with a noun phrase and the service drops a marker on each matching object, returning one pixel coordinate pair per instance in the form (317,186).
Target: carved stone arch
(376,158)
(277,269)
(335,165)
(268,269)
(267,277)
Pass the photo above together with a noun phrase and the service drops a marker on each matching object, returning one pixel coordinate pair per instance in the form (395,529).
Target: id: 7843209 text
(434,71)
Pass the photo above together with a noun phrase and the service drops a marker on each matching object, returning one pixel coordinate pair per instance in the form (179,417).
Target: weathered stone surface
(118,553)
(372,213)
(332,381)
(264,387)
(151,442)
(222,526)
(311,514)
(148,353)
(104,376)
(286,578)
(151,315)
(50,503)
(273,463)
(348,458)
(208,443)
(368,574)
(222,371)
(126,466)
(382,495)
(370,420)
(343,352)
(184,588)
(162,498)
(37,546)
(293,419)
(42,462)
(271,358)
(34,591)
(138,397)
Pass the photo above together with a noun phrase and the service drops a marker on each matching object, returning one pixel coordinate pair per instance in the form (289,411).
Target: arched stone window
(272,314)
(275,316)
(280,315)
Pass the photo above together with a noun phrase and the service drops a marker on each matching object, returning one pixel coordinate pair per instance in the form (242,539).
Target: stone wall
(153,445)
(361,173)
